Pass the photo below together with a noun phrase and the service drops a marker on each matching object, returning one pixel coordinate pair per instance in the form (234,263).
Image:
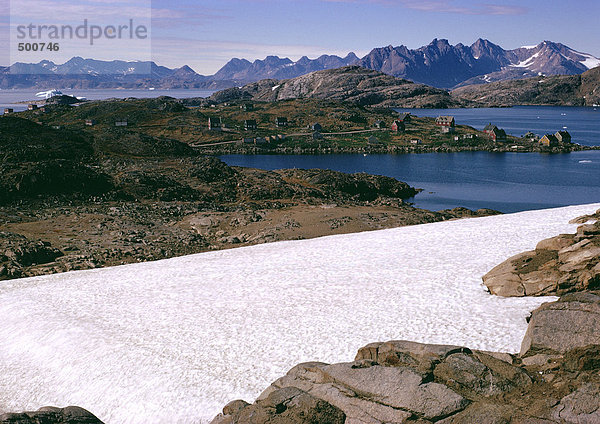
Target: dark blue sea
(508,182)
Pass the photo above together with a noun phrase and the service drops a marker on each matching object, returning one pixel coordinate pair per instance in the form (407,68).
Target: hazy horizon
(205,37)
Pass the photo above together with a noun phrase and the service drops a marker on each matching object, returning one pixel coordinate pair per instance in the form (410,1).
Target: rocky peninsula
(72,200)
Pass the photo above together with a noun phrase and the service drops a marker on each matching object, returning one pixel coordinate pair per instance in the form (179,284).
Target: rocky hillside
(563,90)
(351,84)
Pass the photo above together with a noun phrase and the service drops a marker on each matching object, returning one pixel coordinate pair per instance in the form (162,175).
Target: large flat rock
(571,322)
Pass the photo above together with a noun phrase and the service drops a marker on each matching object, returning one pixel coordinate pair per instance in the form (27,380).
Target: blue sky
(206,34)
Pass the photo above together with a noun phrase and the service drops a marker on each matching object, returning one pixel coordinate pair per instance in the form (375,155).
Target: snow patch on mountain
(590,61)
(527,62)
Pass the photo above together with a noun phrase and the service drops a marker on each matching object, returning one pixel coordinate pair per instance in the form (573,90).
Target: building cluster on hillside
(215,123)
(263,141)
(447,123)
(555,139)
(494,133)
(250,124)
(398,125)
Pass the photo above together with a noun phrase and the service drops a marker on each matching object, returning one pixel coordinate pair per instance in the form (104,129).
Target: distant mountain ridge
(438,64)
(443,65)
(277,68)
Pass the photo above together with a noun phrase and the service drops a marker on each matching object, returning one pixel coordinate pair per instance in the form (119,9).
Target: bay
(508,182)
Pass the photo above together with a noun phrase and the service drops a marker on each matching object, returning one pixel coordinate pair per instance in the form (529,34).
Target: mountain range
(443,65)
(439,64)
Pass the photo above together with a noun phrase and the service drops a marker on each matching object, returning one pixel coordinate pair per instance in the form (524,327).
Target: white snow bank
(590,61)
(175,340)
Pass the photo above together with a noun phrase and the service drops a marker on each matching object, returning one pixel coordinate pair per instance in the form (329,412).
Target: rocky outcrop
(399,381)
(350,84)
(557,327)
(18,252)
(284,406)
(559,265)
(51,415)
(402,382)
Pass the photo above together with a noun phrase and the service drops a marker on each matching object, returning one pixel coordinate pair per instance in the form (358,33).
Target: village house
(250,124)
(8,110)
(90,122)
(548,140)
(494,133)
(248,140)
(416,141)
(214,123)
(32,107)
(446,122)
(374,141)
(281,121)
(563,136)
(398,126)
(260,141)
(405,117)
(379,124)
(316,127)
(121,123)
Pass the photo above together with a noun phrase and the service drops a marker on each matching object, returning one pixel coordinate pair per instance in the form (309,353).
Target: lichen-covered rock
(479,374)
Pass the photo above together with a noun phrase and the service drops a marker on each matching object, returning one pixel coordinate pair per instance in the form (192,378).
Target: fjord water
(508,182)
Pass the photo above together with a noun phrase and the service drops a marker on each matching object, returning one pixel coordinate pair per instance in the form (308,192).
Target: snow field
(175,340)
